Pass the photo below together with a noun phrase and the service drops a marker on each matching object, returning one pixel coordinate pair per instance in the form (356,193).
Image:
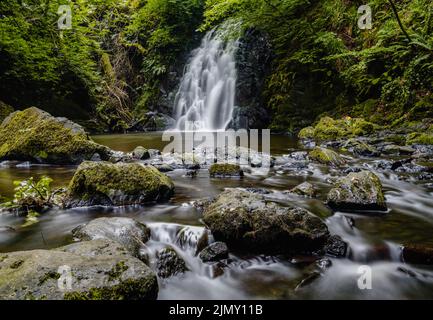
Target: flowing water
(206,95)
(374,240)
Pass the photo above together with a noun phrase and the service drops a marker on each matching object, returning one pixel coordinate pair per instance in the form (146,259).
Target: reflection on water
(374,240)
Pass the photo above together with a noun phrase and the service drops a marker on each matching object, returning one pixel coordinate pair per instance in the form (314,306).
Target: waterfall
(206,95)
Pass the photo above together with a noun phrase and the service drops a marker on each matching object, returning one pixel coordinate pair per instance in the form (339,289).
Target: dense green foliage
(119,53)
(111,61)
(324,62)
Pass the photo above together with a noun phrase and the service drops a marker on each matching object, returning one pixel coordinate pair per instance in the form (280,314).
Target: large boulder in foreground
(98,270)
(129,233)
(34,135)
(104,183)
(248,222)
(358,191)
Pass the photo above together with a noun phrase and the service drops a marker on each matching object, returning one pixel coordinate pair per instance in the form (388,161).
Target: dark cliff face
(253,60)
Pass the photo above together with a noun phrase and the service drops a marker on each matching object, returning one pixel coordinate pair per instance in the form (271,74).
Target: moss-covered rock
(170,263)
(225,170)
(329,129)
(34,135)
(141,153)
(130,233)
(103,183)
(248,222)
(5,110)
(306,133)
(358,191)
(326,156)
(98,270)
(419,138)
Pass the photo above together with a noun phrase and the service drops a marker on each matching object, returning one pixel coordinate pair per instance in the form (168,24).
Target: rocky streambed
(303,229)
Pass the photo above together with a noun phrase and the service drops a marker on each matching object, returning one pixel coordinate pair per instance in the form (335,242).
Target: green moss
(419,138)
(49,275)
(36,136)
(131,179)
(306,133)
(326,156)
(125,290)
(117,271)
(225,170)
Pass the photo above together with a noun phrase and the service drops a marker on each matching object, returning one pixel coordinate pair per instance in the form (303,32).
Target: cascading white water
(206,95)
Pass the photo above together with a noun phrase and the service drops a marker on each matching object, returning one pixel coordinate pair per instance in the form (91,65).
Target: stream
(374,240)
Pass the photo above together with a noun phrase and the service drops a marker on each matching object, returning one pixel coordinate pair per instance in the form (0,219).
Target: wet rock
(225,170)
(103,183)
(418,254)
(249,222)
(164,168)
(326,156)
(169,263)
(360,148)
(140,153)
(357,191)
(214,252)
(299,155)
(323,264)
(305,189)
(258,190)
(352,169)
(336,247)
(130,233)
(398,150)
(99,270)
(34,135)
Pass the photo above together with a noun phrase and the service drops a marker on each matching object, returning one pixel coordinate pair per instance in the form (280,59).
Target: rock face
(129,233)
(253,59)
(34,135)
(225,170)
(326,156)
(248,222)
(103,183)
(360,148)
(358,191)
(214,252)
(98,270)
(169,263)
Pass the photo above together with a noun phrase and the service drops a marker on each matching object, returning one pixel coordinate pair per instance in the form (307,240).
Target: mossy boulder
(249,222)
(98,270)
(225,170)
(104,183)
(419,138)
(357,191)
(170,263)
(326,156)
(34,135)
(329,129)
(5,110)
(129,233)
